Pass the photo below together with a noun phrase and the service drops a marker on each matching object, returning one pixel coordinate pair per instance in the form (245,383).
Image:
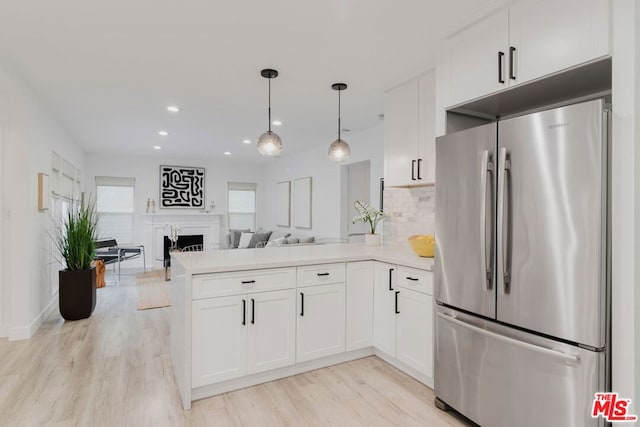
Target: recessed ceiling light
(157,147)
(227,153)
(276,123)
(246,141)
(173,108)
(163,133)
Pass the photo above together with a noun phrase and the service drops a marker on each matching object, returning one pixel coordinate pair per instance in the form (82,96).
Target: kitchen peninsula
(244,317)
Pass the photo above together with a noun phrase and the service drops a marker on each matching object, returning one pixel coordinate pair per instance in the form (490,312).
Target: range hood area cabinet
(409,133)
(527,41)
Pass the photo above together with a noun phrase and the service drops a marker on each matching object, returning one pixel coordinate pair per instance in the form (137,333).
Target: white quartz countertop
(218,261)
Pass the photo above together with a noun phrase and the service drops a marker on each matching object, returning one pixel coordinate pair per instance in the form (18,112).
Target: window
(242,205)
(115,207)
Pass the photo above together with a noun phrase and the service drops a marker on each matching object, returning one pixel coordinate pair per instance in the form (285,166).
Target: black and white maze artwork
(181,187)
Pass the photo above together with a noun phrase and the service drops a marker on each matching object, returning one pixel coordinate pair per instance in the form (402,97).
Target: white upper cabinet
(409,129)
(551,35)
(476,59)
(529,40)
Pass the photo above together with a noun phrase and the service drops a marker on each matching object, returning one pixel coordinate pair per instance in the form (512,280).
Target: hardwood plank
(114,369)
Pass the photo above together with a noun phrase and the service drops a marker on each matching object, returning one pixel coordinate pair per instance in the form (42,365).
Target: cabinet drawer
(412,278)
(241,282)
(322,274)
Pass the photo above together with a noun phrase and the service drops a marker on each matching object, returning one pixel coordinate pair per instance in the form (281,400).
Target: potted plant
(75,241)
(371,216)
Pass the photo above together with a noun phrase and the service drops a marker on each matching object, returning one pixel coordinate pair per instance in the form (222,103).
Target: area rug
(153,290)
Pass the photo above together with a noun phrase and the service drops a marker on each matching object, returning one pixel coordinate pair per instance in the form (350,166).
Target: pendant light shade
(339,150)
(269,143)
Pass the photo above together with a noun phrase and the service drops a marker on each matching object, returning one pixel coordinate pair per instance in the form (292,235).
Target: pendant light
(269,143)
(339,150)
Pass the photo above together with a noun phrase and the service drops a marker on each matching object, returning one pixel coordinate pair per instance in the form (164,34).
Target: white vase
(372,240)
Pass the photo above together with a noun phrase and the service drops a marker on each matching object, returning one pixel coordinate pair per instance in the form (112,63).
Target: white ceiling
(108,69)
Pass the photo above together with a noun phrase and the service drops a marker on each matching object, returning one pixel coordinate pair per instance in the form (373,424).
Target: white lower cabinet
(384,316)
(219,342)
(414,330)
(403,318)
(320,321)
(271,330)
(242,334)
(359,305)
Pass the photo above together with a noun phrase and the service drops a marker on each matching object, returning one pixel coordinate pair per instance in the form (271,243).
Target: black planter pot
(77,293)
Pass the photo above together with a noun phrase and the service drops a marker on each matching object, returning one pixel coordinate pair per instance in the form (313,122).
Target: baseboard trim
(4,331)
(26,332)
(263,377)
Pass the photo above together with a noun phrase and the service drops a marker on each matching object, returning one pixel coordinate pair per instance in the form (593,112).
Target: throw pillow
(258,237)
(245,239)
(292,240)
(235,236)
(278,234)
(310,239)
(275,242)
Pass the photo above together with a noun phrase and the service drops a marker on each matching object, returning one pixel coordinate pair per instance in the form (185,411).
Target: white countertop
(218,261)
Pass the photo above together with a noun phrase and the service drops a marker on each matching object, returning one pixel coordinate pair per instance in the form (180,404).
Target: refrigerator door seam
(569,359)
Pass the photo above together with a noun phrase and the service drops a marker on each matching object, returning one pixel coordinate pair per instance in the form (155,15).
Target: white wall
(365,145)
(146,171)
(30,134)
(625,203)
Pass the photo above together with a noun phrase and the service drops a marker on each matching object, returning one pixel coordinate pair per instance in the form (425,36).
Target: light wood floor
(114,369)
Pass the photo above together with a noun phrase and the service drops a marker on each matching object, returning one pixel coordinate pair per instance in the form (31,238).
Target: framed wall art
(302,202)
(181,187)
(283,204)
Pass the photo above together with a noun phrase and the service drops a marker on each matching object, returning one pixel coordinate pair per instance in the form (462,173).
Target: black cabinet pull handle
(512,74)
(323,274)
(253,311)
(413,170)
(246,282)
(500,77)
(301,304)
(397,311)
(419,163)
(391,278)
(412,279)
(244,312)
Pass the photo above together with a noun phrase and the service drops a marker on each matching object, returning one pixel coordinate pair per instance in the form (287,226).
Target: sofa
(244,238)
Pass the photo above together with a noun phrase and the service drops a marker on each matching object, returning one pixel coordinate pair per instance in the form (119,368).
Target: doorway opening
(355,180)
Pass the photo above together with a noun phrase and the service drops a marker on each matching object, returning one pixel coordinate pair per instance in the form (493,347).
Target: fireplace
(182,242)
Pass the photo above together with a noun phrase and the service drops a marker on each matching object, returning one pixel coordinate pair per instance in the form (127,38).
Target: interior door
(465,194)
(552,223)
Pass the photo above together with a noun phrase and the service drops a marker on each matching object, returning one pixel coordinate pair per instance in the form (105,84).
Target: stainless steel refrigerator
(521,274)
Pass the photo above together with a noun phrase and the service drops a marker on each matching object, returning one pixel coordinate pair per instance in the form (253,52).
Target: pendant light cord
(269,104)
(339,126)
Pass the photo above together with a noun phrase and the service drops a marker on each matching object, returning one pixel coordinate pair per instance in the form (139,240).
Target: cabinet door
(550,35)
(414,330)
(359,305)
(321,321)
(401,133)
(384,317)
(472,59)
(219,340)
(426,169)
(271,320)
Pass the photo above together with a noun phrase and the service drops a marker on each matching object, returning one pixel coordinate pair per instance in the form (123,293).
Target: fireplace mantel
(209,225)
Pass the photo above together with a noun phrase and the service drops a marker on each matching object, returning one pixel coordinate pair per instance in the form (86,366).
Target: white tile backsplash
(409,211)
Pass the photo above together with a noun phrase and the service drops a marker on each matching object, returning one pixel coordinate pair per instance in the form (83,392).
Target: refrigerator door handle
(569,359)
(485,168)
(503,256)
